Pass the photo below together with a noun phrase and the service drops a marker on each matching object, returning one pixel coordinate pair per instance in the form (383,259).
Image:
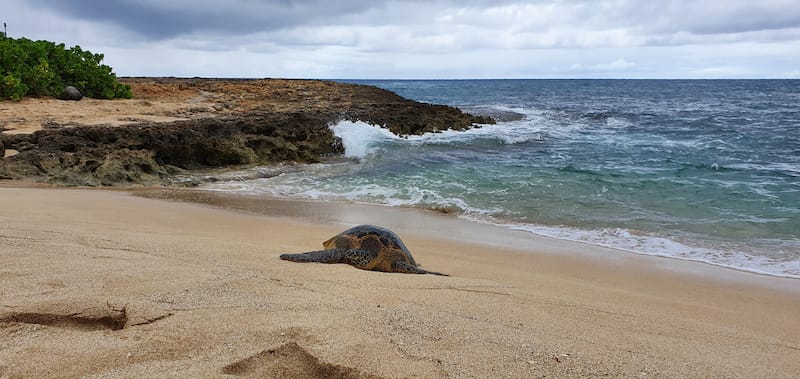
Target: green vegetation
(43,68)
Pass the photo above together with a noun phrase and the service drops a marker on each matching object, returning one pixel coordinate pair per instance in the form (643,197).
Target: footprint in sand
(289,361)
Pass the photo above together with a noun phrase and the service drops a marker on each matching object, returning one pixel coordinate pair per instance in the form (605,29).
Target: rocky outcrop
(152,153)
(149,153)
(403,116)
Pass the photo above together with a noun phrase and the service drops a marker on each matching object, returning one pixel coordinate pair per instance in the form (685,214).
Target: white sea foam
(618,123)
(359,138)
(792,169)
(640,243)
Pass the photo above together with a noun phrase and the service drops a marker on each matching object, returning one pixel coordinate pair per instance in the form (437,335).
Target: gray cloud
(437,38)
(713,17)
(156,20)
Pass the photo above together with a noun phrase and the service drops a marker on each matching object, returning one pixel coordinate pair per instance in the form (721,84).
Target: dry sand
(105,284)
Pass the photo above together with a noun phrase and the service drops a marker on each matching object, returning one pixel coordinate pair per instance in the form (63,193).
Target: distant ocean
(704,170)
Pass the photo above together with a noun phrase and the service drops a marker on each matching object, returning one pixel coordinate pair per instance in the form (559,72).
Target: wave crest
(359,138)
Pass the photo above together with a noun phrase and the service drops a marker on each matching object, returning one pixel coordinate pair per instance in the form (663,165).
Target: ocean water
(705,170)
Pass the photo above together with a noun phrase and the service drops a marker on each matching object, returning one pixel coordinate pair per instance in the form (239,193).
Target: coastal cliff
(191,124)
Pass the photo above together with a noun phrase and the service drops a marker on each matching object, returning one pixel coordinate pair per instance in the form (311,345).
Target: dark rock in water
(71,93)
(406,117)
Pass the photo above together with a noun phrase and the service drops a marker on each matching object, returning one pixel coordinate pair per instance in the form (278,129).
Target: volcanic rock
(266,128)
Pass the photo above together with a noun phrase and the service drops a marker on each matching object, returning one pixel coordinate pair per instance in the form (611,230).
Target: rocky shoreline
(237,123)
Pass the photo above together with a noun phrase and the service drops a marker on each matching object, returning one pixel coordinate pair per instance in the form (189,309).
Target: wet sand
(106,284)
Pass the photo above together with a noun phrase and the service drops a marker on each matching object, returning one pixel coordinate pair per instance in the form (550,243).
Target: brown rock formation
(243,131)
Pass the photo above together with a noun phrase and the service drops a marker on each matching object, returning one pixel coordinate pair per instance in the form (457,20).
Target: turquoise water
(700,170)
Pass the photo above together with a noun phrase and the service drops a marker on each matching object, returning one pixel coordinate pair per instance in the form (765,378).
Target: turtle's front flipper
(321,256)
(411,269)
(360,258)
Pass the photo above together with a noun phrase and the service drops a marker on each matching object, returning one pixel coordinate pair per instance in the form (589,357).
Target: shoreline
(203,293)
(249,203)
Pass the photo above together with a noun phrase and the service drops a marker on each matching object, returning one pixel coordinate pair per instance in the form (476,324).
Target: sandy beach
(99,283)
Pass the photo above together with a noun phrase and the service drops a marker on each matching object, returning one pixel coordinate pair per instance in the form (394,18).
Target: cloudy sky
(425,39)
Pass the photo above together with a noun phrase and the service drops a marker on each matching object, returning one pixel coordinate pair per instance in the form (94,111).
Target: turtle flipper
(411,269)
(359,258)
(320,256)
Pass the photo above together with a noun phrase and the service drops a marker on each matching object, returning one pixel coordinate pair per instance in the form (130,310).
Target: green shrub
(11,88)
(43,68)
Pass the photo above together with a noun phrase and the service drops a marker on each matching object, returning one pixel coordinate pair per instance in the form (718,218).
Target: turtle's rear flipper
(410,269)
(321,256)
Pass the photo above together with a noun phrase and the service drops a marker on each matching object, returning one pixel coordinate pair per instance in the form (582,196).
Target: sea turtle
(367,247)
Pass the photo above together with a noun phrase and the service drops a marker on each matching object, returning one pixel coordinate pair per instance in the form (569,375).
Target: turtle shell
(351,238)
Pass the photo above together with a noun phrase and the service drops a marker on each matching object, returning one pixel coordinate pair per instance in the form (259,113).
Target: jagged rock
(2,150)
(71,93)
(131,167)
(149,153)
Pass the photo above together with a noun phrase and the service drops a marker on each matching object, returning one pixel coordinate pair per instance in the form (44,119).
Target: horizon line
(427,78)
